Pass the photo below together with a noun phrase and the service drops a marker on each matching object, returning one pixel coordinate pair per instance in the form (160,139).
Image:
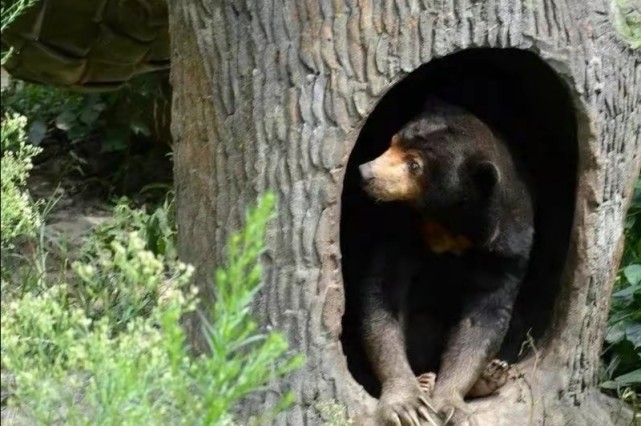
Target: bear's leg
(477,337)
(402,402)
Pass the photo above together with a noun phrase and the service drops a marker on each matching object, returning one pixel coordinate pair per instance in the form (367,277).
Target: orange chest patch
(440,240)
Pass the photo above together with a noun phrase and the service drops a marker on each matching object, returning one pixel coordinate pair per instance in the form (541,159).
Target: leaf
(619,313)
(633,274)
(89,115)
(65,120)
(629,222)
(633,333)
(115,139)
(627,291)
(78,133)
(139,128)
(610,384)
(631,378)
(37,132)
(616,333)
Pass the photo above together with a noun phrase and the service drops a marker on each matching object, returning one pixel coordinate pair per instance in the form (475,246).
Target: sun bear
(441,299)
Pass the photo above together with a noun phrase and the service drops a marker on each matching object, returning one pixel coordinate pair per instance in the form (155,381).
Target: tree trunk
(274,94)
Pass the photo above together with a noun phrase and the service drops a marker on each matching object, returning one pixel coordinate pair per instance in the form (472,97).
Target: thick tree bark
(272,95)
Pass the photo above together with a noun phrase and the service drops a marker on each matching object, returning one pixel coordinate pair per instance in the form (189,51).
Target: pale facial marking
(391,176)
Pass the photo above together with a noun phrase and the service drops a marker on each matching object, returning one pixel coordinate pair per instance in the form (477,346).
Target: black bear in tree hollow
(441,300)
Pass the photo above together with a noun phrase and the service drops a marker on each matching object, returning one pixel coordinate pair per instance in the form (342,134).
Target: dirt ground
(78,187)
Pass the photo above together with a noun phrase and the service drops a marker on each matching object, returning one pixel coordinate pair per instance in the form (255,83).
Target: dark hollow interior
(520,96)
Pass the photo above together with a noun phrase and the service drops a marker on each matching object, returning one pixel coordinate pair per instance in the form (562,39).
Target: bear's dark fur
(440,287)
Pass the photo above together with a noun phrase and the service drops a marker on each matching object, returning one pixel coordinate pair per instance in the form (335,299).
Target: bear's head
(444,162)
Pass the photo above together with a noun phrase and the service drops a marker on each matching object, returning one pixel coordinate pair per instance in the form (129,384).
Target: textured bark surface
(272,95)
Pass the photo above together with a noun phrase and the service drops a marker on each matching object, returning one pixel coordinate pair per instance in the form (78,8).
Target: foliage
(130,125)
(141,102)
(10,10)
(107,347)
(333,413)
(627,21)
(623,354)
(157,229)
(115,117)
(51,109)
(19,216)
(250,360)
(69,368)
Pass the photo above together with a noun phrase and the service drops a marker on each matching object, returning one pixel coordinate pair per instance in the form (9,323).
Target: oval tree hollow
(518,94)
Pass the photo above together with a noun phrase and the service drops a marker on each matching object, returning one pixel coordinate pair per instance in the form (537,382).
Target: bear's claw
(406,405)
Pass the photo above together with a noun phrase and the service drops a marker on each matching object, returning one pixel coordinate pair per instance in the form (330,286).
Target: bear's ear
(486,176)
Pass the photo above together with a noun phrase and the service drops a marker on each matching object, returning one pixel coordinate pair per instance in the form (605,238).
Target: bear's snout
(367,172)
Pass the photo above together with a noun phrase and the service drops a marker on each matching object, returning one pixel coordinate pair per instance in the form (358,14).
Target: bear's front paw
(405,404)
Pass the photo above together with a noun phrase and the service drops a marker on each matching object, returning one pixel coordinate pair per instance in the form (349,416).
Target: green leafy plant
(333,413)
(115,117)
(107,347)
(157,229)
(251,359)
(124,119)
(19,214)
(627,21)
(623,340)
(51,110)
(10,10)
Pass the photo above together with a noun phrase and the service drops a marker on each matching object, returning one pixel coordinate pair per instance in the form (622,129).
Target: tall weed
(18,212)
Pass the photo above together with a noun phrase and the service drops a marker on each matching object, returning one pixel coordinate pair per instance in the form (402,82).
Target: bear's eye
(415,167)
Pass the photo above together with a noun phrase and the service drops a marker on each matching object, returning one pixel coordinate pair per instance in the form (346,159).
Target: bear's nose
(366,171)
